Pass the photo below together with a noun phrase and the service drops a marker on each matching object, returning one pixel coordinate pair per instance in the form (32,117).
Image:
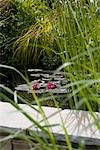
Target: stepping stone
(35,75)
(22,87)
(40,75)
(35,70)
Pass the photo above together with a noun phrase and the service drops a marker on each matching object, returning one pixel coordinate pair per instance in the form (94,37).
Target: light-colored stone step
(77,123)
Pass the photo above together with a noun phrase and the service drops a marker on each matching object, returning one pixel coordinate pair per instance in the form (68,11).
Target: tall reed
(46,140)
(78,41)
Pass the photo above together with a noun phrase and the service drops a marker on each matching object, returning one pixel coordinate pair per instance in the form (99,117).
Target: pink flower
(36,86)
(51,85)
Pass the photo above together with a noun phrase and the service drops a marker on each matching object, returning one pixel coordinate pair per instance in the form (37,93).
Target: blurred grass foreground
(57,36)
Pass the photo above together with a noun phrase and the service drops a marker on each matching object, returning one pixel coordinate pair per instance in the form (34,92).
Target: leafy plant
(77,39)
(30,46)
(48,140)
(19,21)
(71,34)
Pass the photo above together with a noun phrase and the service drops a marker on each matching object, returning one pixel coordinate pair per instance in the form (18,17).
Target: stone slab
(79,124)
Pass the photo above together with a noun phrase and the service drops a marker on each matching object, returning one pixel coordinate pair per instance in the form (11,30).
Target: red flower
(51,85)
(36,86)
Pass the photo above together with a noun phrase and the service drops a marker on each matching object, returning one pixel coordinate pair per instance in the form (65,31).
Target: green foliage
(50,62)
(77,38)
(23,24)
(30,30)
(34,29)
(31,43)
(48,140)
(76,31)
(70,30)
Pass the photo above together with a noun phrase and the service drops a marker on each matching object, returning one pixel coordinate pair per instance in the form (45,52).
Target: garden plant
(54,35)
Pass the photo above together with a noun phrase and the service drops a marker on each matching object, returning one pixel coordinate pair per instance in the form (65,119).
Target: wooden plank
(20,145)
(5,145)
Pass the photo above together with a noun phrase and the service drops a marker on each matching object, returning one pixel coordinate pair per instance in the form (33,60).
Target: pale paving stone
(77,123)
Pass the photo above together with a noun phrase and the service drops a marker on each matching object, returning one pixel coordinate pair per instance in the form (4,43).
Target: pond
(50,87)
